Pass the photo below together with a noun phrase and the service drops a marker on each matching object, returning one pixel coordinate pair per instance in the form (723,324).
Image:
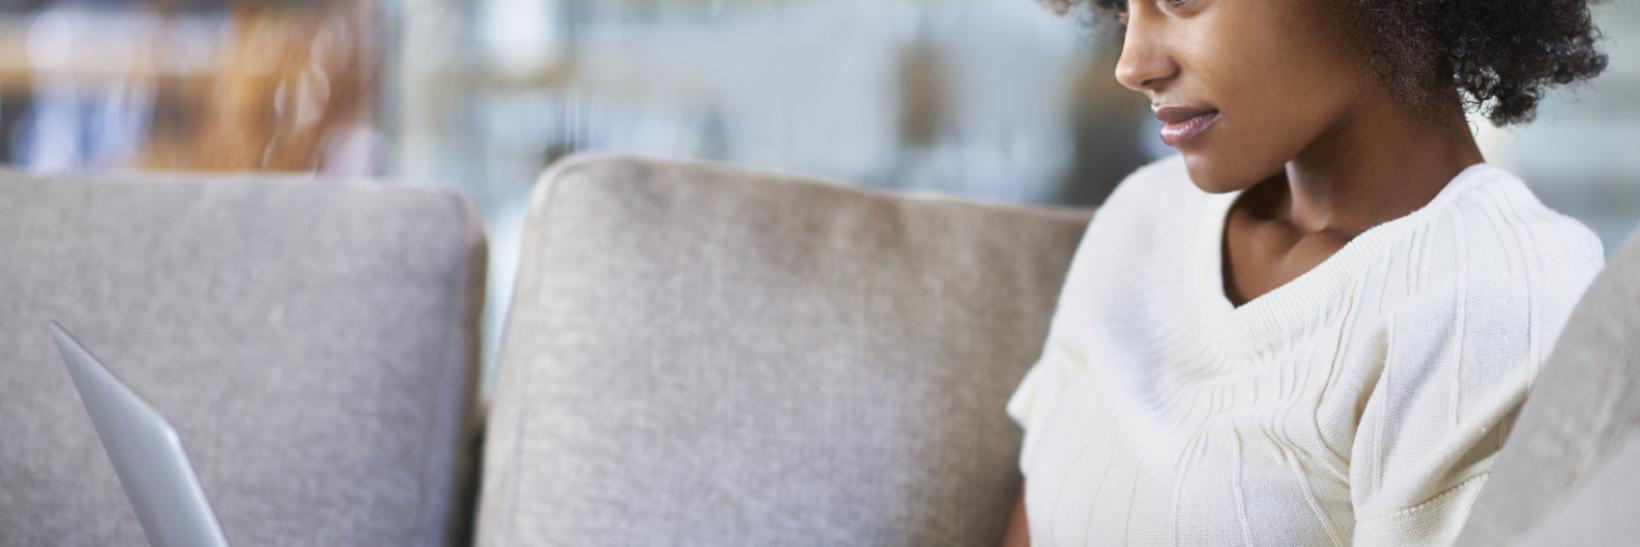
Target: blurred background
(989,99)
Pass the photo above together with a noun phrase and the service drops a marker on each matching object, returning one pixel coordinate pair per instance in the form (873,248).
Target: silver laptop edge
(146,452)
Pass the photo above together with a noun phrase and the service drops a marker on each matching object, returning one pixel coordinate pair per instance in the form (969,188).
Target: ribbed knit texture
(1360,402)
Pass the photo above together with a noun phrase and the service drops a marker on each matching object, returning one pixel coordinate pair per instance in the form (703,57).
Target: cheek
(1261,119)
(1276,89)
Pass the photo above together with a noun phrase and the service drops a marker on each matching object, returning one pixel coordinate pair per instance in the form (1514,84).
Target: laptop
(146,452)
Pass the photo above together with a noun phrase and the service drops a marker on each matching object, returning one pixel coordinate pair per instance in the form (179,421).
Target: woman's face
(1242,86)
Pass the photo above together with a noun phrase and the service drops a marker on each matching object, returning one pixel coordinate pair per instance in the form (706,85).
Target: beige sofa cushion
(703,355)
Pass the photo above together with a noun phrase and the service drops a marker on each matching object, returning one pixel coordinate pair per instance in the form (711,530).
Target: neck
(1379,163)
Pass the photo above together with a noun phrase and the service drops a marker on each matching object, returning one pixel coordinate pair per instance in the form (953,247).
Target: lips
(1182,124)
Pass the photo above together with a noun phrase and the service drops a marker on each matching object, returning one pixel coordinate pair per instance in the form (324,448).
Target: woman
(1317,322)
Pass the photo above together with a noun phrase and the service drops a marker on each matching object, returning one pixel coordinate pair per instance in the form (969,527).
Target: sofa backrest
(315,345)
(705,355)
(1583,410)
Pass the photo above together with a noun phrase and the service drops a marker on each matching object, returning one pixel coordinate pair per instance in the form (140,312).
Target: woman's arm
(1019,535)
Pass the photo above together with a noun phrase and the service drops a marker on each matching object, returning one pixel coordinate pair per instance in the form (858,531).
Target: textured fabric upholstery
(315,345)
(701,355)
(1601,510)
(1584,408)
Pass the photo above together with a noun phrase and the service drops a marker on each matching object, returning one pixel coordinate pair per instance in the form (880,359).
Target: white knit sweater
(1361,402)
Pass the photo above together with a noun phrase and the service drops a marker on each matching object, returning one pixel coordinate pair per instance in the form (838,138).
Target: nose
(1145,64)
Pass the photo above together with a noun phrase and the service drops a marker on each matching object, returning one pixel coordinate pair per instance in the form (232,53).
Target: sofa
(694,354)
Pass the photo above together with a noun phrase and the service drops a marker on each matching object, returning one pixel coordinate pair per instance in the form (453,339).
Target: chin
(1213,175)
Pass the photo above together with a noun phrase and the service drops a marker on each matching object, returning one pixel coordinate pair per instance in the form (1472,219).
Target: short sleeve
(1449,388)
(1035,396)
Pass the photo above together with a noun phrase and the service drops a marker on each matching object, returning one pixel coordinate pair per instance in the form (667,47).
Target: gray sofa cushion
(702,355)
(314,344)
(1584,406)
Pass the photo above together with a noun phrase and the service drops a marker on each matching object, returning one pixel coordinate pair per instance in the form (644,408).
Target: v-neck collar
(1297,300)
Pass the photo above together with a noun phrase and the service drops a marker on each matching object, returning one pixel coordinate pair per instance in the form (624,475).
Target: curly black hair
(1499,55)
